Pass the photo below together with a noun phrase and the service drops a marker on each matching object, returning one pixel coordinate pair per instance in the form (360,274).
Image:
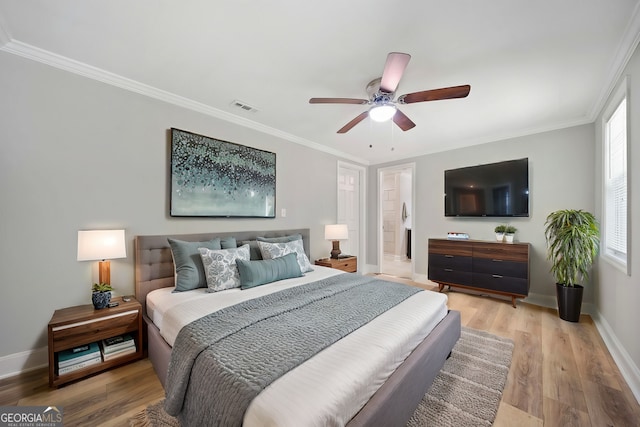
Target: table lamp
(335,233)
(102,245)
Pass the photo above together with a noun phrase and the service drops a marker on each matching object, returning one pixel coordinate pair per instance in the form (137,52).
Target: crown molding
(67,64)
(626,48)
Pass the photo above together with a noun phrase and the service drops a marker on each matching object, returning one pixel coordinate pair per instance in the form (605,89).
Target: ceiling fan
(382,90)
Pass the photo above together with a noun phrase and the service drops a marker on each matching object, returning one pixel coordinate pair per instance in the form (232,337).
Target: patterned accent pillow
(220,267)
(276,250)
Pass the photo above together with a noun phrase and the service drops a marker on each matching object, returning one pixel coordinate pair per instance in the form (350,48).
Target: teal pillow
(188,263)
(282,239)
(261,272)
(228,243)
(254,249)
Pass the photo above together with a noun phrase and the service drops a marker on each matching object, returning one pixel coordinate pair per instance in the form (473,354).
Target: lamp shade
(336,232)
(101,244)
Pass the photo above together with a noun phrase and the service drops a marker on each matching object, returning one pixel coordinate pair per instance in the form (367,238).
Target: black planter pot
(100,299)
(569,302)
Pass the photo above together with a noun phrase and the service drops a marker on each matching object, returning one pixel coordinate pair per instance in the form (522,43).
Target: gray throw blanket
(220,362)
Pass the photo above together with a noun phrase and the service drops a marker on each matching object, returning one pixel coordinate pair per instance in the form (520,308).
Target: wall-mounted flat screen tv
(495,189)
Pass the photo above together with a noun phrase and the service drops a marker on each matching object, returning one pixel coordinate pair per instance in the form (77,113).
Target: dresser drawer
(454,262)
(503,251)
(500,267)
(448,275)
(507,284)
(448,247)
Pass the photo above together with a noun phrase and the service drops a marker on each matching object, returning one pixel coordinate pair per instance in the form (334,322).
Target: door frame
(362,200)
(381,171)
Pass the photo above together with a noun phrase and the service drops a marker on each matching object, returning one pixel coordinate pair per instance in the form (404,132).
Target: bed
(389,404)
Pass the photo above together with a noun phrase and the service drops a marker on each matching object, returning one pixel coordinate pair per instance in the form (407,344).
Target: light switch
(283,212)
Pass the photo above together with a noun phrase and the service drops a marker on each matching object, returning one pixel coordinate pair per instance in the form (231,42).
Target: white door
(349,209)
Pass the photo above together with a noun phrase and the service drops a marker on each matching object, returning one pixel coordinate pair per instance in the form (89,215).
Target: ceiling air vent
(244,106)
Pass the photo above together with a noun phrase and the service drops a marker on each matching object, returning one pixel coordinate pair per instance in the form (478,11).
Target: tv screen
(495,189)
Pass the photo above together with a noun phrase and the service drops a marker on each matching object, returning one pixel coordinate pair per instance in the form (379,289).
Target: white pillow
(220,267)
(276,250)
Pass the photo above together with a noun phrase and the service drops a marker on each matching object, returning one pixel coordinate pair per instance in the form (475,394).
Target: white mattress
(331,387)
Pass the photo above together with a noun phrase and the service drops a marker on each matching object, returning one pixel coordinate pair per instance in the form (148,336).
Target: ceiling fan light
(382,113)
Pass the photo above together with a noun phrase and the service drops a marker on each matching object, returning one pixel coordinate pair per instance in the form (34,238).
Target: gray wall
(78,154)
(560,177)
(617,294)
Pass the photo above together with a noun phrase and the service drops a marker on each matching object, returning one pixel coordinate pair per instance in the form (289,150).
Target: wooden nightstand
(75,326)
(350,264)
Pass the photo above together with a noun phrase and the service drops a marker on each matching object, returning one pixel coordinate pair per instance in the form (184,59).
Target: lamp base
(104,272)
(336,249)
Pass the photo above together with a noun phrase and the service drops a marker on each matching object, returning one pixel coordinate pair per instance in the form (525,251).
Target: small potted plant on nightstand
(509,232)
(500,230)
(101,295)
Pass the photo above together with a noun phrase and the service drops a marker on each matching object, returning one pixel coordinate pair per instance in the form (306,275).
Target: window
(615,181)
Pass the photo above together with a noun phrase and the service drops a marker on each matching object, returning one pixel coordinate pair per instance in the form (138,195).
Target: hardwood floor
(561,375)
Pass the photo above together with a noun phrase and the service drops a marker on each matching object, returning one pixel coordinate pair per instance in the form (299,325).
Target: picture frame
(216,178)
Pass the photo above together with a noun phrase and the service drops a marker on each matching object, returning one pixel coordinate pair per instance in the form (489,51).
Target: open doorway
(395,201)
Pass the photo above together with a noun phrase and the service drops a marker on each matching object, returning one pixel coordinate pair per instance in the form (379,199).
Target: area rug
(466,392)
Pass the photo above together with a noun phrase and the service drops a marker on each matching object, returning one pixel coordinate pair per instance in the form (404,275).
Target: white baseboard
(25,361)
(628,368)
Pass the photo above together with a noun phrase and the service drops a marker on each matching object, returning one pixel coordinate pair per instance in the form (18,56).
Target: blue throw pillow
(281,239)
(261,272)
(188,264)
(254,249)
(228,243)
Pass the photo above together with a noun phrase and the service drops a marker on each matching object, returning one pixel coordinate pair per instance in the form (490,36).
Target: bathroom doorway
(395,201)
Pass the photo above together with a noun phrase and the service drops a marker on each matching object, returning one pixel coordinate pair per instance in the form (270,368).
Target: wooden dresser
(492,267)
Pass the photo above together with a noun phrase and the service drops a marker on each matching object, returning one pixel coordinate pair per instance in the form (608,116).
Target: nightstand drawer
(350,264)
(74,334)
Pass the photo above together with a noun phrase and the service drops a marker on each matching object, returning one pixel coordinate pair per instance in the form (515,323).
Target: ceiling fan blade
(393,70)
(346,128)
(337,101)
(435,94)
(403,121)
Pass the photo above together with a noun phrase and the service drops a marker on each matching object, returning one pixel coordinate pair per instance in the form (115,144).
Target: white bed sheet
(331,387)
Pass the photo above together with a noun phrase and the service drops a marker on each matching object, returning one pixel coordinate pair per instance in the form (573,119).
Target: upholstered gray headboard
(154,263)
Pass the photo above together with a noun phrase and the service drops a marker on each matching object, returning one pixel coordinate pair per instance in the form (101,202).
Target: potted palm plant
(573,239)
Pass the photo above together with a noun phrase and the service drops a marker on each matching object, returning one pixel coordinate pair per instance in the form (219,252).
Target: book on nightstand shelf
(117,343)
(80,365)
(78,357)
(119,353)
(117,346)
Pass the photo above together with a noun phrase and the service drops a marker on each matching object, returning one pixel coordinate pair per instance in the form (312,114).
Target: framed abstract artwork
(215,178)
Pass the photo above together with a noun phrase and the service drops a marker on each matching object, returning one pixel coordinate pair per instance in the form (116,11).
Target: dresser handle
(448,256)
(497,276)
(496,260)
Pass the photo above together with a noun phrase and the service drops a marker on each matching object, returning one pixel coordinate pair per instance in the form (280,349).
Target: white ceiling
(532,65)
